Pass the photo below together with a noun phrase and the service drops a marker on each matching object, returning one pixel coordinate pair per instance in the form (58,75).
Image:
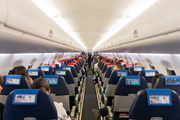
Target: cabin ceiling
(92,20)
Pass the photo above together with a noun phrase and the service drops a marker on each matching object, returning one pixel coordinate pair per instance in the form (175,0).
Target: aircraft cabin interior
(89,60)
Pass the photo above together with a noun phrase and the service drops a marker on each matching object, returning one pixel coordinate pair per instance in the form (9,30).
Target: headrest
(148,74)
(129,65)
(67,68)
(115,75)
(58,84)
(168,82)
(12,82)
(137,68)
(66,74)
(33,72)
(151,103)
(130,85)
(31,102)
(45,68)
(110,65)
(52,65)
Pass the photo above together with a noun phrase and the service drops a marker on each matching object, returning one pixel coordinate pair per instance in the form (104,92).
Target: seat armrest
(105,100)
(73,112)
(79,89)
(77,99)
(102,90)
(110,113)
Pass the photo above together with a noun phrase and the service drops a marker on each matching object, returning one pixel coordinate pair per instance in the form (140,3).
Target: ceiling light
(46,7)
(139,8)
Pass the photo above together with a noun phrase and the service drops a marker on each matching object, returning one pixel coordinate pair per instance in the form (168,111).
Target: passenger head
(155,79)
(100,58)
(118,66)
(137,64)
(121,61)
(1,82)
(41,84)
(19,70)
(107,60)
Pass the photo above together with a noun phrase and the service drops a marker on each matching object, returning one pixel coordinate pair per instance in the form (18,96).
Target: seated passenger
(42,84)
(117,66)
(96,69)
(155,79)
(104,111)
(1,105)
(137,64)
(20,70)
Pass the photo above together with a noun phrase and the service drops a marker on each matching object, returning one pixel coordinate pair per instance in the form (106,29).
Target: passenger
(155,79)
(137,64)
(96,69)
(117,66)
(20,70)
(104,111)
(42,84)
(1,105)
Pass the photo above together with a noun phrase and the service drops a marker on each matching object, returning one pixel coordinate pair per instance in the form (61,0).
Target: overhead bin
(25,17)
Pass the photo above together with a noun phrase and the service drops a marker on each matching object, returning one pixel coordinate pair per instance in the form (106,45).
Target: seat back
(125,93)
(29,104)
(168,82)
(59,89)
(34,73)
(46,69)
(136,69)
(127,66)
(113,80)
(155,104)
(148,75)
(74,73)
(12,82)
(107,74)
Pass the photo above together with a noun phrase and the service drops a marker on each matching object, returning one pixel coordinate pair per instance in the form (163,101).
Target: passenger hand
(29,80)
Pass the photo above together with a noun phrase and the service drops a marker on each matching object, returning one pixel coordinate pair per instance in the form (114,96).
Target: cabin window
(152,66)
(170,71)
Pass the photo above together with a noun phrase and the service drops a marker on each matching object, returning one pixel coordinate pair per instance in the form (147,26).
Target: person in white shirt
(42,84)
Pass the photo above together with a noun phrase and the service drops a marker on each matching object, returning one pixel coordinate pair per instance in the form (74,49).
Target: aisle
(90,99)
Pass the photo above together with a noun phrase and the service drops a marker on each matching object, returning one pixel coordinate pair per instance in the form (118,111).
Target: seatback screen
(52,79)
(45,68)
(137,68)
(150,73)
(61,72)
(121,73)
(33,72)
(133,80)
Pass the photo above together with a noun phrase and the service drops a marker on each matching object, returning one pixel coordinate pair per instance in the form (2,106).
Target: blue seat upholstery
(46,69)
(59,91)
(125,93)
(141,110)
(36,73)
(107,75)
(136,69)
(161,84)
(71,84)
(44,109)
(148,78)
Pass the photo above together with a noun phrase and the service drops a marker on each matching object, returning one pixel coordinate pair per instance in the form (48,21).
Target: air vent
(50,33)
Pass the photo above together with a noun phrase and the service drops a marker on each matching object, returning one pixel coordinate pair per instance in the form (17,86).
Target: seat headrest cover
(25,97)
(53,65)
(150,73)
(52,79)
(60,72)
(159,97)
(67,68)
(133,80)
(13,80)
(33,72)
(123,63)
(121,73)
(137,68)
(172,80)
(109,65)
(129,65)
(45,68)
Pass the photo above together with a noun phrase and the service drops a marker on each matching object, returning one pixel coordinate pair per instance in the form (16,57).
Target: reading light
(139,8)
(46,7)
